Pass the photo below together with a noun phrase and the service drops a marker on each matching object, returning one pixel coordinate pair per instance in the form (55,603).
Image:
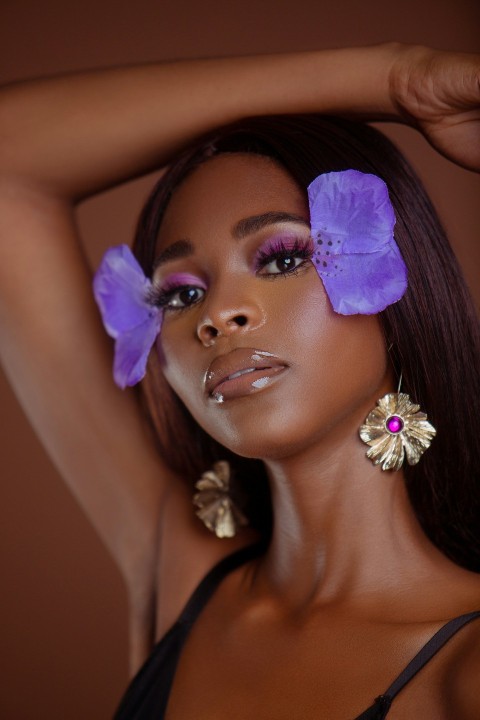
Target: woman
(334,600)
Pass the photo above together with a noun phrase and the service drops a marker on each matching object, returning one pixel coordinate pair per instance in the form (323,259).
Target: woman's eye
(282,265)
(281,257)
(182,297)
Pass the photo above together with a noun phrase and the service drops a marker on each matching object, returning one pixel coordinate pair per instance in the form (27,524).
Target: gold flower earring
(216,508)
(394,429)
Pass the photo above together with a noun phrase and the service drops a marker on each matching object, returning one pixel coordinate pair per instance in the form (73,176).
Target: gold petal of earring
(216,508)
(394,429)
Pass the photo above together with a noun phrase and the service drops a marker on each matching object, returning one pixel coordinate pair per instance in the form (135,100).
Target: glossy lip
(238,364)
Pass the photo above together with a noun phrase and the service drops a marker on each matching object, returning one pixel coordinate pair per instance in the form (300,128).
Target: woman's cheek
(181,368)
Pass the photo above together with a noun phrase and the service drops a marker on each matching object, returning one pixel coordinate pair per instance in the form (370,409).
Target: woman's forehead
(226,189)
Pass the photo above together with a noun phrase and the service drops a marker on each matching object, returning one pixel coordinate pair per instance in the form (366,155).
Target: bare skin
(58,146)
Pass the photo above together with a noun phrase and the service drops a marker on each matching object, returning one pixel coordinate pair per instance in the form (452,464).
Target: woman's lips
(241,372)
(245,384)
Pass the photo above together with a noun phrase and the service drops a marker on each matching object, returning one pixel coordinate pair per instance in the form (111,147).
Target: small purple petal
(132,350)
(122,294)
(355,253)
(364,283)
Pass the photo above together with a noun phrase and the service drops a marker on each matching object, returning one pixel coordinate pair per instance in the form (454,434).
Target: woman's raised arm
(80,133)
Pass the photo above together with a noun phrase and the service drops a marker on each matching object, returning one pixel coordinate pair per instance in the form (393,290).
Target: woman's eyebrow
(178,249)
(246,226)
(253,224)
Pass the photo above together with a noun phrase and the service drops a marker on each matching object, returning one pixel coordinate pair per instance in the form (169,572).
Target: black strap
(381,706)
(428,651)
(212,579)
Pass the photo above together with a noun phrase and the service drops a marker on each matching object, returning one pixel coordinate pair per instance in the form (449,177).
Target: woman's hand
(439,93)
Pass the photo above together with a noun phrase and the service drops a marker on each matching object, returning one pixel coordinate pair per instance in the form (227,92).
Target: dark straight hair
(432,333)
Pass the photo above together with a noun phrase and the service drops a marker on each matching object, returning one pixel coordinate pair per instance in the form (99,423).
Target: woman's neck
(344,530)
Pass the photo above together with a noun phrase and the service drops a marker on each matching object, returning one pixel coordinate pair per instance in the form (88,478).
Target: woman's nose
(223,319)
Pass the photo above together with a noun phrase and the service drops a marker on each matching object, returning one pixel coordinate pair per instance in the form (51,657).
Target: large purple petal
(355,253)
(121,291)
(132,349)
(363,283)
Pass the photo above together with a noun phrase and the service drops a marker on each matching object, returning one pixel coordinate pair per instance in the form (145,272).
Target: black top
(147,696)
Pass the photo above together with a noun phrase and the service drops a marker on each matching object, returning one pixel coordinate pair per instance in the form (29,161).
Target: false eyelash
(160,295)
(161,298)
(279,249)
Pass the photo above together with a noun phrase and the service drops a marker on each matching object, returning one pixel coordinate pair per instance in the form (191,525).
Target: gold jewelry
(216,508)
(394,429)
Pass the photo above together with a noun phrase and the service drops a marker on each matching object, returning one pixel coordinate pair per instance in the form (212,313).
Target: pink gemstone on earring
(394,424)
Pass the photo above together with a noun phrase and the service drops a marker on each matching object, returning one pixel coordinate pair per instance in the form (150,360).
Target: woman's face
(249,340)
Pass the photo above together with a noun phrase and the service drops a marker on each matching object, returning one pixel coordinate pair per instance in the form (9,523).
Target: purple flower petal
(355,253)
(122,294)
(364,283)
(121,288)
(132,349)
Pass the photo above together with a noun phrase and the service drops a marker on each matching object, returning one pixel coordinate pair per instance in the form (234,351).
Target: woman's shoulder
(463,673)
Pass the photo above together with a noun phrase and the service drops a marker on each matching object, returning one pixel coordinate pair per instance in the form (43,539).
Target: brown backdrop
(63,608)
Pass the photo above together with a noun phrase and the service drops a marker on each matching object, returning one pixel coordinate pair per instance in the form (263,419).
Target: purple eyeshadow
(170,282)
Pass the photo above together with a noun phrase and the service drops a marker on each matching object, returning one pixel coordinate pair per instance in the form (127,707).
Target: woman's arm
(80,133)
(75,135)
(66,138)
